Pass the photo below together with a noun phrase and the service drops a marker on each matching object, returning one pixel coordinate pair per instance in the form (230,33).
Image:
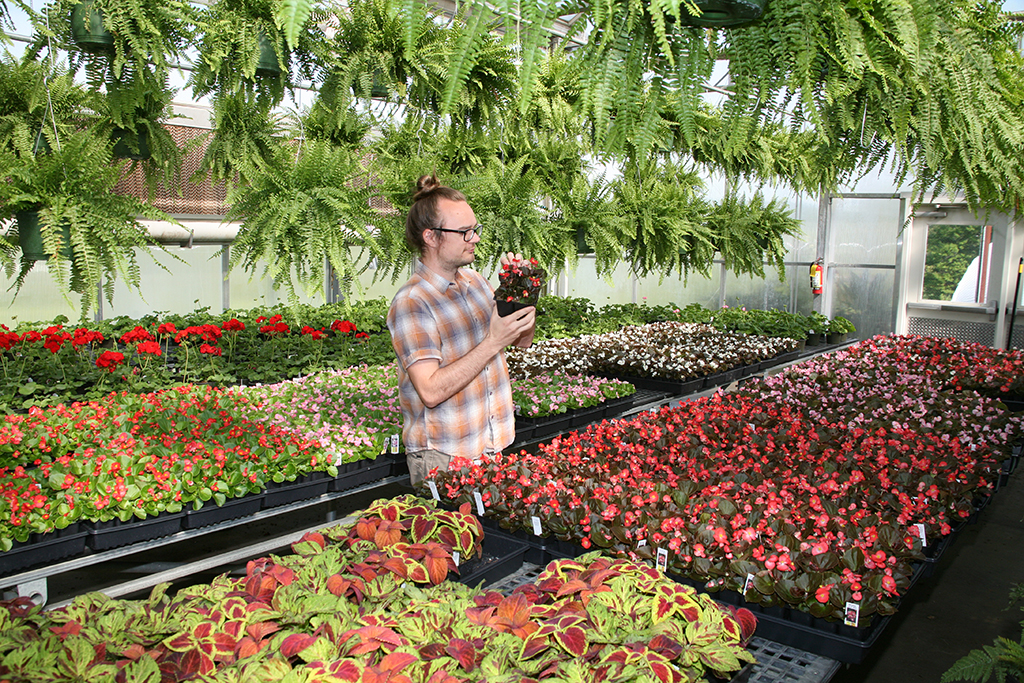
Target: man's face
(453,250)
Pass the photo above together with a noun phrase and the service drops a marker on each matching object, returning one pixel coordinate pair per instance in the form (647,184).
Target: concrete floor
(961,606)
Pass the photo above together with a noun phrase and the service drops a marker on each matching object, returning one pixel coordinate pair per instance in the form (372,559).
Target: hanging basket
(123,148)
(30,237)
(268,64)
(87,29)
(722,13)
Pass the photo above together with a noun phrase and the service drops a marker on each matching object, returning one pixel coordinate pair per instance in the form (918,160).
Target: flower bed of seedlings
(556,392)
(351,412)
(665,350)
(370,602)
(808,489)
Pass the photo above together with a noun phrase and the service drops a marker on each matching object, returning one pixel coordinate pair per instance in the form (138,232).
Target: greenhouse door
(858,236)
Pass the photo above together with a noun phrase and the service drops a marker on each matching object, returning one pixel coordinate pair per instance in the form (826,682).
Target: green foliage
(308,207)
(1004,657)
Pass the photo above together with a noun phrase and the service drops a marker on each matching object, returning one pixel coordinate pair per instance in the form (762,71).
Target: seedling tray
(353,474)
(502,555)
(307,486)
(233,508)
(674,387)
(44,549)
(115,533)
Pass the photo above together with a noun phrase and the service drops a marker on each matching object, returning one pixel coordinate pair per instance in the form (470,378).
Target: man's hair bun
(426,184)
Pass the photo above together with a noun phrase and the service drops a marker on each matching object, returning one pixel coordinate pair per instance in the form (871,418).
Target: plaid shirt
(431,318)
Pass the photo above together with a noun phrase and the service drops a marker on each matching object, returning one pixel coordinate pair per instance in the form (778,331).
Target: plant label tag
(641,543)
(479,503)
(753,427)
(662,561)
(455,557)
(536,525)
(384,447)
(851,616)
(748,584)
(433,489)
(918,530)
(394,444)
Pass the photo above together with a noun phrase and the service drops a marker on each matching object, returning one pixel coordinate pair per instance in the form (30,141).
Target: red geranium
(211,350)
(343,326)
(314,333)
(110,360)
(150,347)
(233,325)
(275,329)
(167,328)
(139,334)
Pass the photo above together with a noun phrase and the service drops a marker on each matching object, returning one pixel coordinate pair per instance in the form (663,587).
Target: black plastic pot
(507,308)
(723,13)
(123,148)
(30,237)
(87,29)
(268,64)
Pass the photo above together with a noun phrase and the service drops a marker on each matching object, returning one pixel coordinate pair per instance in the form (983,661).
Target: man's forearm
(440,385)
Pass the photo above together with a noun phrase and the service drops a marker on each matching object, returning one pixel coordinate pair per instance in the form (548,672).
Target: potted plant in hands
(520,286)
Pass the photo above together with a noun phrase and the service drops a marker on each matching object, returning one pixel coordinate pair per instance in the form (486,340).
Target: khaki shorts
(422,462)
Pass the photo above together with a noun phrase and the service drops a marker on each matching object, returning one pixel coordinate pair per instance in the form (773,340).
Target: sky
(1013,5)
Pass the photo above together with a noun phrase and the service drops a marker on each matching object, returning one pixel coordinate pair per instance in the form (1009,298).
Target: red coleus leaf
(663,670)
(261,587)
(284,575)
(463,652)
(343,670)
(573,639)
(446,537)
(422,528)
(396,661)
(442,676)
(296,643)
(366,529)
(388,533)
(417,572)
(437,563)
(513,616)
(247,647)
(432,651)
(372,638)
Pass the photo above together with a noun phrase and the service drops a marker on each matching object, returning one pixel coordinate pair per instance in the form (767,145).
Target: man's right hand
(505,331)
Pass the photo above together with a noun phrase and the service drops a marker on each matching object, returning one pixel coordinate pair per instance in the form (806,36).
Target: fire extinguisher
(817,276)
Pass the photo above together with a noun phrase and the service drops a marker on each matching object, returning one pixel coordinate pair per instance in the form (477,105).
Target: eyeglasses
(467,234)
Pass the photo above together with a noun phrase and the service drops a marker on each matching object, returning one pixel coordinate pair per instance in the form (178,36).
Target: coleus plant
(809,489)
(297,619)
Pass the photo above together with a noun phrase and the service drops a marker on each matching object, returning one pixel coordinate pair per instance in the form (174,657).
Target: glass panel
(248,290)
(39,300)
(800,247)
(864,296)
(744,291)
(799,276)
(864,230)
(182,288)
(672,290)
(584,282)
(956,266)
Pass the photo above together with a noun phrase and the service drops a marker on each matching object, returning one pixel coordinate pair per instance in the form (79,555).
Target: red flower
(8,339)
(233,325)
(139,334)
(362,335)
(55,341)
(150,347)
(212,350)
(110,360)
(314,333)
(167,328)
(275,329)
(343,326)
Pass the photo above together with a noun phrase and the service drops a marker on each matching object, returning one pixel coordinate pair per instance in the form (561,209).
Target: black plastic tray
(307,486)
(674,387)
(502,555)
(233,508)
(353,474)
(44,549)
(115,533)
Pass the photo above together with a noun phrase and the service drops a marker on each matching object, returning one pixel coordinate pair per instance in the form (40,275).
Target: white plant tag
(479,503)
(662,562)
(748,584)
(433,489)
(455,557)
(851,616)
(919,530)
(536,525)
(384,447)
(394,444)
(641,543)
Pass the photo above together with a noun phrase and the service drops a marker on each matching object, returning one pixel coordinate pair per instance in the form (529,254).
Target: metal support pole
(1013,311)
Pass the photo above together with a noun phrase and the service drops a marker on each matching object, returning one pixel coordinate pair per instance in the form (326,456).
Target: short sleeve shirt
(432,318)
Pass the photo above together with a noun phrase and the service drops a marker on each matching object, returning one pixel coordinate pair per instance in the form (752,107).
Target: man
(454,386)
